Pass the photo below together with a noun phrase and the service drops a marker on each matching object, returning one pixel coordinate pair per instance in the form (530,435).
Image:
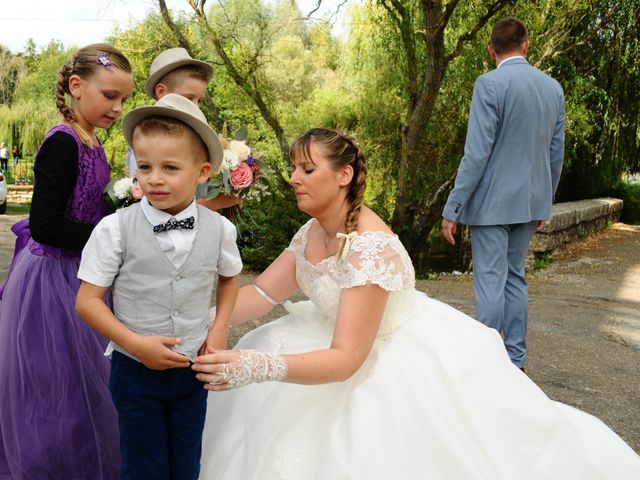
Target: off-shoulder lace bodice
(371,257)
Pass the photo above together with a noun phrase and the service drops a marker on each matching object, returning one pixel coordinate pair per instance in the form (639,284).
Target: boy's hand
(153,353)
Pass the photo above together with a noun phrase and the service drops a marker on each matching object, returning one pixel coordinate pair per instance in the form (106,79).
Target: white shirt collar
(157,217)
(509,58)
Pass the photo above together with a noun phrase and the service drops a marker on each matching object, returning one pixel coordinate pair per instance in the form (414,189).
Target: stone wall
(19,193)
(572,220)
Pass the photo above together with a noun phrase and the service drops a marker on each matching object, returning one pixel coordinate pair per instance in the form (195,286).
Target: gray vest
(151,296)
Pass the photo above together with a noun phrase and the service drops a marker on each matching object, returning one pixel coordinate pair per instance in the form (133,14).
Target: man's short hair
(508,35)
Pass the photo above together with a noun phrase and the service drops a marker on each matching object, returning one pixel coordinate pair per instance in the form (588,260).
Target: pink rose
(241,176)
(136,191)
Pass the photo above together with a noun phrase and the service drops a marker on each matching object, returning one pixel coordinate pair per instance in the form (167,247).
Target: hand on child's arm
(153,352)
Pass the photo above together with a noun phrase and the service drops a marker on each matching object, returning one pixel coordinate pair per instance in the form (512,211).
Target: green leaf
(212,193)
(109,186)
(241,134)
(226,181)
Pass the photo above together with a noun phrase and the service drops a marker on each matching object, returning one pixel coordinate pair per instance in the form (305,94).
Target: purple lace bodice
(87,204)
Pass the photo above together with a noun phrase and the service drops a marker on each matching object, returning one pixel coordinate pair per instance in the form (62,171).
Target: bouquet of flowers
(122,192)
(240,173)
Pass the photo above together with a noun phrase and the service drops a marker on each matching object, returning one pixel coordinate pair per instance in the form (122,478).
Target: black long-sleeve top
(55,175)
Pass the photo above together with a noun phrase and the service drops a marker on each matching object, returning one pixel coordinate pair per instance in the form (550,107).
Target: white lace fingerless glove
(254,367)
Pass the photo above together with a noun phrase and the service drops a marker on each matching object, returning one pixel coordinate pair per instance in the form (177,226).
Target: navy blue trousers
(161,415)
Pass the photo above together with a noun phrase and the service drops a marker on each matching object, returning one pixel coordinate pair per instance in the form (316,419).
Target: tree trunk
(410,211)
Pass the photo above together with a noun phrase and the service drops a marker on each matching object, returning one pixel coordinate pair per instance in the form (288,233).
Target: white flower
(230,159)
(122,187)
(241,149)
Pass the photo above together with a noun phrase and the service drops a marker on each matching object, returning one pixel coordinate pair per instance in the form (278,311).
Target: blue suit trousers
(498,255)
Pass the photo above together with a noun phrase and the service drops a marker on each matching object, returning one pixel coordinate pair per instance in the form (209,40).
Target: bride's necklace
(327,241)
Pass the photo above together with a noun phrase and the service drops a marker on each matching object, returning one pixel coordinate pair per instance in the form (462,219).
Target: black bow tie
(186,223)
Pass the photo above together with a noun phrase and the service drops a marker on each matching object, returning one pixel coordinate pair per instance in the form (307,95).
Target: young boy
(161,257)
(175,71)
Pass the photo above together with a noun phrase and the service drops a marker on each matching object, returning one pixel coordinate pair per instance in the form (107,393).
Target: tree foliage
(593,49)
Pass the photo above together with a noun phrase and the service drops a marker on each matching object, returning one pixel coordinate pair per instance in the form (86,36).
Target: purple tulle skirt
(57,420)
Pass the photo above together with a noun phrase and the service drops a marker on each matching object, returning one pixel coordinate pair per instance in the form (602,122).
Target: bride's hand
(227,369)
(211,368)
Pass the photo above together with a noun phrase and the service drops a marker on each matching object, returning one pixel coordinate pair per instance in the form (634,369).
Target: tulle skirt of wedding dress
(437,398)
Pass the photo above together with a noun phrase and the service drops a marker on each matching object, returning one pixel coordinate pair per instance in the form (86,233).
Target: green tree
(14,69)
(593,49)
(32,111)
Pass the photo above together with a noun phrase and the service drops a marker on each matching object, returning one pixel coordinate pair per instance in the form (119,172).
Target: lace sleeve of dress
(378,258)
(299,240)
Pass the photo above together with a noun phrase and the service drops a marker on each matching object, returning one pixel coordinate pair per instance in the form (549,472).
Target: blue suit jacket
(514,148)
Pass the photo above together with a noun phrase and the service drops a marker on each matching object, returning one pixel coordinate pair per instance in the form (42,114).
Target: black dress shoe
(522,368)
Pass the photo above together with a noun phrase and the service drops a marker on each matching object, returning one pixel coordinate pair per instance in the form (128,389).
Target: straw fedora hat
(176,106)
(170,60)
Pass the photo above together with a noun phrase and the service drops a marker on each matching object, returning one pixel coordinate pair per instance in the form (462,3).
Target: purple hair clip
(102,59)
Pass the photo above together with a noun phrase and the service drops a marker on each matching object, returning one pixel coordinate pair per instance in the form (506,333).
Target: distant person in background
(4,157)
(15,153)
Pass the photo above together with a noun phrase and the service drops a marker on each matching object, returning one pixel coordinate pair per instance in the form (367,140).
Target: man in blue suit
(507,178)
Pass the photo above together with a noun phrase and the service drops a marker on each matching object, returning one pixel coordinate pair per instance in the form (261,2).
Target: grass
(630,195)
(542,261)
(18,208)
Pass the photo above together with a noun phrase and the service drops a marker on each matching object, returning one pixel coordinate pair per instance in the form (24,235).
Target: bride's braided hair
(84,63)
(341,149)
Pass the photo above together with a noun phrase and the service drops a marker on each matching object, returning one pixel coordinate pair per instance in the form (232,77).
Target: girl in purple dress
(56,415)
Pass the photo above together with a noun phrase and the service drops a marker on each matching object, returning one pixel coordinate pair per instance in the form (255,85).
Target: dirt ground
(584,323)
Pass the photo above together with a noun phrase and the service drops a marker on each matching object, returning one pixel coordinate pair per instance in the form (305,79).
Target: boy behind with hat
(161,257)
(175,71)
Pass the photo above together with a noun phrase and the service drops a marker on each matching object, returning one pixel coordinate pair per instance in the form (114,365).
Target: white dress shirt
(507,59)
(102,255)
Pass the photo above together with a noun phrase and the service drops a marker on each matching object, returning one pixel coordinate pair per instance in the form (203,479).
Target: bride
(370,379)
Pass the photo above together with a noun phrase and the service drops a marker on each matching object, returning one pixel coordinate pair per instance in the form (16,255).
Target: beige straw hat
(176,106)
(170,60)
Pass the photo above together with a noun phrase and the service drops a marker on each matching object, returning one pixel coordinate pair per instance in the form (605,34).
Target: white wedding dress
(437,398)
